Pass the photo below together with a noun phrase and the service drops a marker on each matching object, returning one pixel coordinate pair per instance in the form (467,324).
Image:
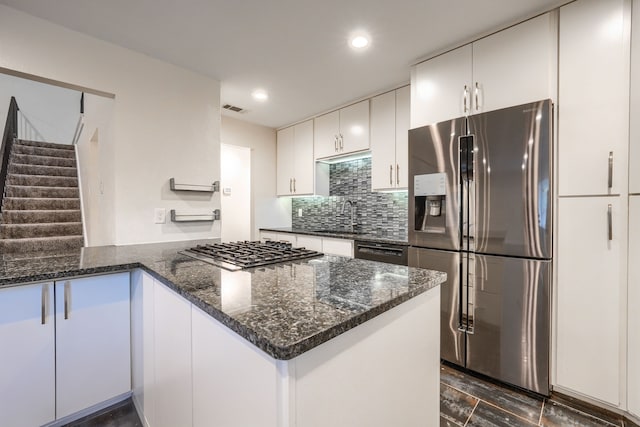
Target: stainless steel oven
(383,252)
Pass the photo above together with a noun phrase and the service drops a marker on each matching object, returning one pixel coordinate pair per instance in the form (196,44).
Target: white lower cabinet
(93,355)
(326,245)
(342,247)
(65,347)
(234,384)
(591,296)
(27,368)
(172,388)
(633,327)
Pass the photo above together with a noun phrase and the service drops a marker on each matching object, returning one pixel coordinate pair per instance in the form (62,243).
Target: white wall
(268,210)
(96,156)
(166,121)
(235,176)
(52,112)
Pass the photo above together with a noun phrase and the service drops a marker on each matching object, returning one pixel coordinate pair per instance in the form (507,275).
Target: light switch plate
(160,215)
(300,213)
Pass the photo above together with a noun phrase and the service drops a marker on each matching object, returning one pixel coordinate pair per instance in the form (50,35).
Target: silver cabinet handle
(45,299)
(390,174)
(341,142)
(67,299)
(476,96)
(464,103)
(610,176)
(397,174)
(294,185)
(610,222)
(290,185)
(335,143)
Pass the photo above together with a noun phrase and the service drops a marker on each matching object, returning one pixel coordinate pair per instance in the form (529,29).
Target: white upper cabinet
(343,131)
(295,162)
(593,98)
(591,297)
(441,87)
(284,161)
(634,140)
(389,139)
(511,67)
(515,66)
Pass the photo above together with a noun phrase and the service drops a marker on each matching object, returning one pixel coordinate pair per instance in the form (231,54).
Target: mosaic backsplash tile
(384,213)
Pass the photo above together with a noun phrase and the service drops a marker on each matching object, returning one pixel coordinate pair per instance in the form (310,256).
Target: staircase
(41,205)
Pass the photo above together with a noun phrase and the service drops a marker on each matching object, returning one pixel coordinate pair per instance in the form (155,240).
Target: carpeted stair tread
(41,216)
(42,151)
(45,144)
(17,168)
(19,203)
(52,229)
(28,159)
(42,180)
(41,244)
(41,192)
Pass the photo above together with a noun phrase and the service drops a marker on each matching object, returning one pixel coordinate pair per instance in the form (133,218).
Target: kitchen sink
(338,231)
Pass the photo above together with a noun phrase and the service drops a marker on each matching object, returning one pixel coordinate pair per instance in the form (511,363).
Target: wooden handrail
(9,136)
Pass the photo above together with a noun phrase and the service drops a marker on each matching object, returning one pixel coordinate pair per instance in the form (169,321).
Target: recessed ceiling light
(359,42)
(260,95)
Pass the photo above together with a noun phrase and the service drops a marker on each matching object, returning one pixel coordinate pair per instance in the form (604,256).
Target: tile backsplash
(382,213)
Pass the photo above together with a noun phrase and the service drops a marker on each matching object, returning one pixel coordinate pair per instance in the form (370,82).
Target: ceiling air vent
(233,108)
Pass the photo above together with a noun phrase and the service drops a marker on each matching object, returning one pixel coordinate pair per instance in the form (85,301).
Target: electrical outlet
(300,213)
(160,215)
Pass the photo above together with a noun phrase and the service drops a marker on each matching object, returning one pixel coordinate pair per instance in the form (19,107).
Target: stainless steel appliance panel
(434,149)
(452,341)
(383,252)
(509,330)
(512,177)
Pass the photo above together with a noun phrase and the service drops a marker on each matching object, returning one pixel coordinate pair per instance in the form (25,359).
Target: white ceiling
(295,49)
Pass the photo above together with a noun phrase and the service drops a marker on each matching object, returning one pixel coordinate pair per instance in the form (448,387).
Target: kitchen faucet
(352,206)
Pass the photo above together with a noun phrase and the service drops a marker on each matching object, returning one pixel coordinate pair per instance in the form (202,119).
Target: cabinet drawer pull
(476,96)
(290,188)
(390,174)
(335,143)
(464,98)
(45,298)
(67,299)
(610,175)
(397,174)
(341,142)
(610,222)
(294,185)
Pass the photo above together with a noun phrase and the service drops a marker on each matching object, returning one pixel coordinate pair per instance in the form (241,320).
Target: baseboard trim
(89,411)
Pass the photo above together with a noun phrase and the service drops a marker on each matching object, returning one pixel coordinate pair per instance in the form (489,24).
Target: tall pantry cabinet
(593,144)
(633,325)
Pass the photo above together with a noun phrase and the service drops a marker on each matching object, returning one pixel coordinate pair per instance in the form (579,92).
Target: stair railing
(8,138)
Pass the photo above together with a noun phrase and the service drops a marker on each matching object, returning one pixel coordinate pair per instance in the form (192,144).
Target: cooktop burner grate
(248,254)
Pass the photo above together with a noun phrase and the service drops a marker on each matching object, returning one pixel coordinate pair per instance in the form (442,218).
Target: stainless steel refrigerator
(480,208)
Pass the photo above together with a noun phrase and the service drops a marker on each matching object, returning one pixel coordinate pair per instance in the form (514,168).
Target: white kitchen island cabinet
(65,348)
(27,371)
(633,310)
(378,374)
(93,354)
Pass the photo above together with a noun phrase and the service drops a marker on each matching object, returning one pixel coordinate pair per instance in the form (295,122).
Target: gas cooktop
(248,254)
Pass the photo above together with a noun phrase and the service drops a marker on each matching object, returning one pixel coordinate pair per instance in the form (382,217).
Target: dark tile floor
(465,401)
(468,401)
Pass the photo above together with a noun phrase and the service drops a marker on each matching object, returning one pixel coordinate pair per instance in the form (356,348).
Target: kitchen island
(324,341)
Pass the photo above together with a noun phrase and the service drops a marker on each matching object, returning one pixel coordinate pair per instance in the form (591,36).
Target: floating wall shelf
(180,216)
(203,188)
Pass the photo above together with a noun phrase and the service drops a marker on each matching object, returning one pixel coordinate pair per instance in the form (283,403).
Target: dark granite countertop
(380,237)
(284,309)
